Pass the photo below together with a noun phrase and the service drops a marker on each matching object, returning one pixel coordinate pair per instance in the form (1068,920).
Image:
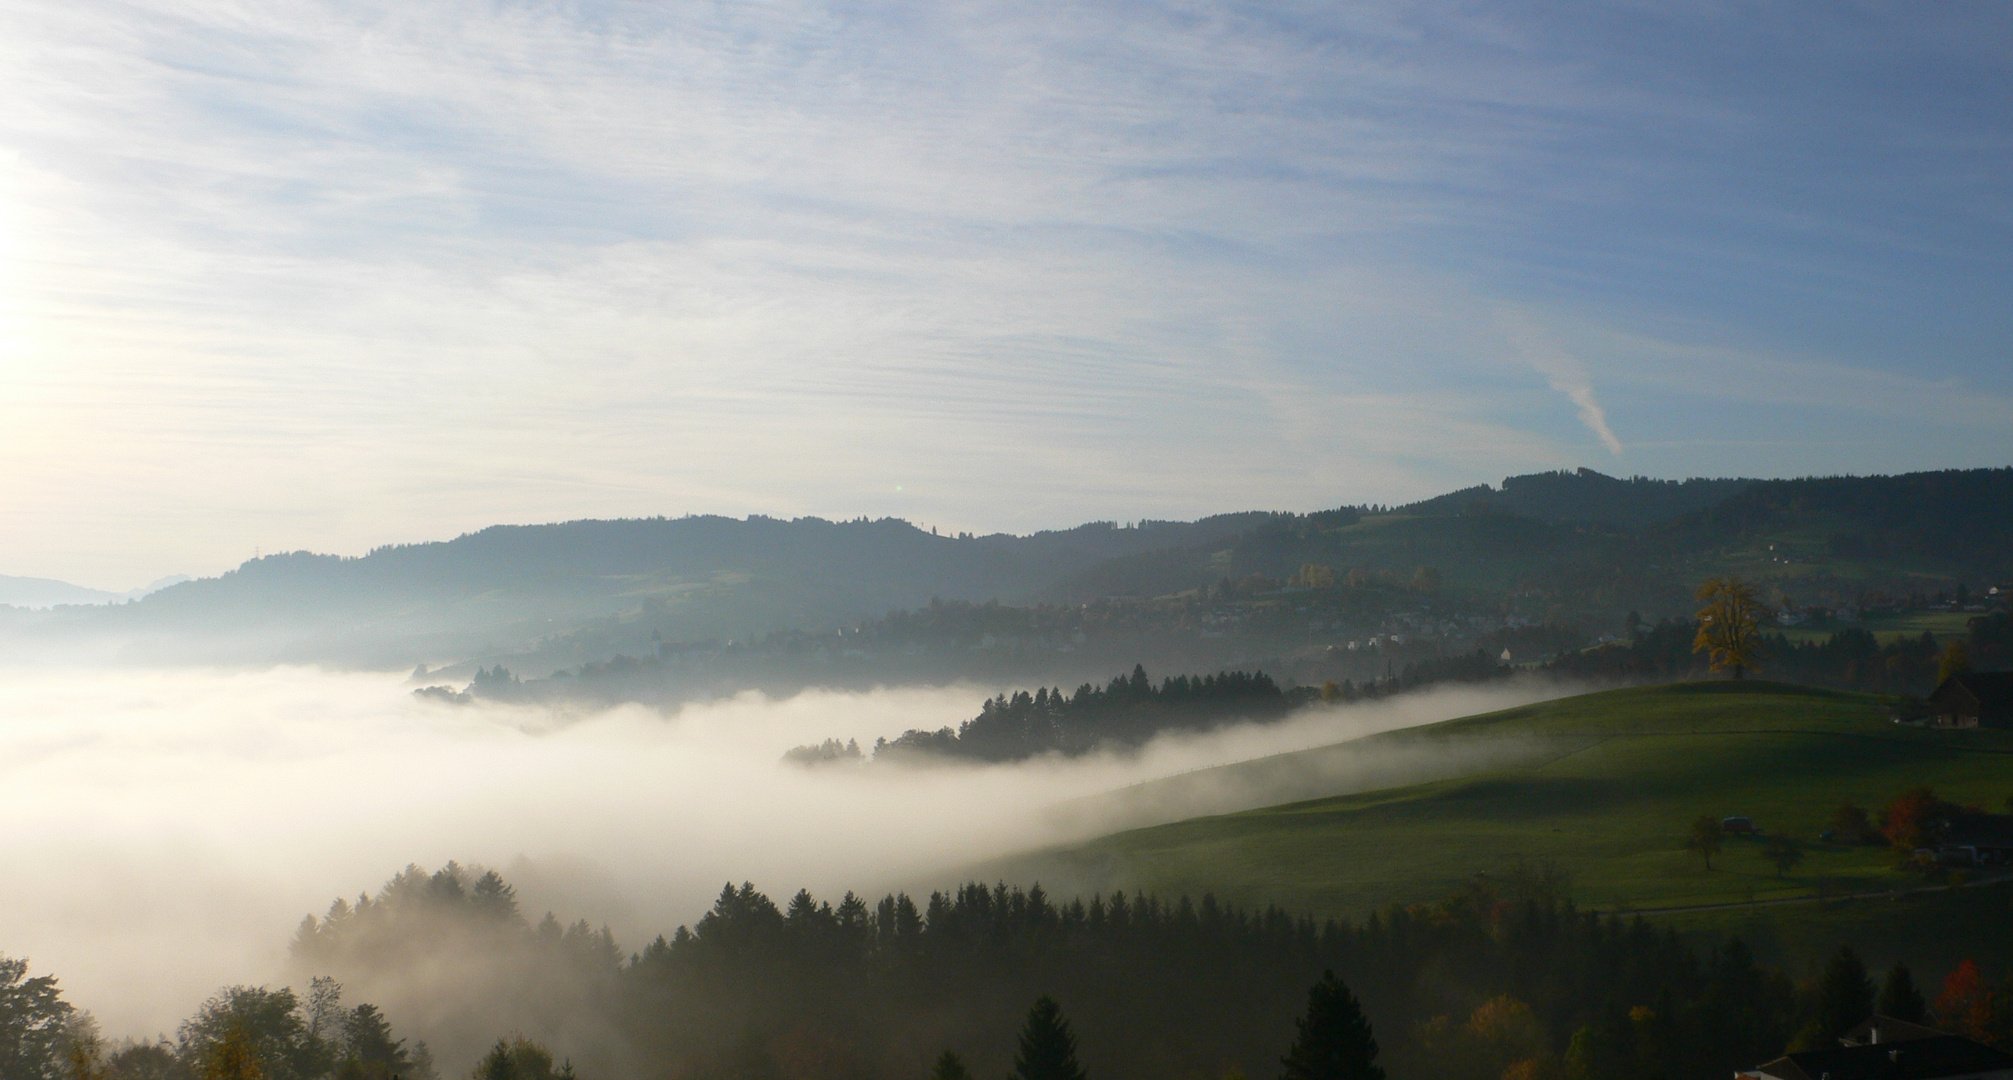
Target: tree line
(1850,659)
(242,1033)
(1131,710)
(1505,978)
(1128,711)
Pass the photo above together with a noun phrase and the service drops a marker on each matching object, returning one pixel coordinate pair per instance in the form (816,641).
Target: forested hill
(1573,547)
(507,586)
(1586,497)
(1551,542)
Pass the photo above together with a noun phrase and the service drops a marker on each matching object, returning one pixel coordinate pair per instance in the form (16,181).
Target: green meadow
(1604,785)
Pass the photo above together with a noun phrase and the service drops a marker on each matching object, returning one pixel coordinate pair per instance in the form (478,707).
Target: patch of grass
(1931,932)
(1889,628)
(1611,802)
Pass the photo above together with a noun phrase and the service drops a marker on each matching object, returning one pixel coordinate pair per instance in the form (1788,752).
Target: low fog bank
(1312,754)
(168,829)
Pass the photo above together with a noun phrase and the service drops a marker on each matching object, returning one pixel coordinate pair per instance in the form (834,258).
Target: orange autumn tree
(1905,821)
(1966,1003)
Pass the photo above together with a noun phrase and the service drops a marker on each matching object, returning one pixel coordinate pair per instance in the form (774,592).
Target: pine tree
(949,1067)
(1047,1048)
(1899,998)
(1335,1041)
(1844,997)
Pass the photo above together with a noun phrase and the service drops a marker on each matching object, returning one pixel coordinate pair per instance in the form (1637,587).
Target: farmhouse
(1976,840)
(1974,699)
(1884,1048)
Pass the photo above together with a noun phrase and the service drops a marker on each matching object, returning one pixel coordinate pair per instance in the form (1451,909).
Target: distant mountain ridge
(33,592)
(1553,538)
(1580,545)
(506,586)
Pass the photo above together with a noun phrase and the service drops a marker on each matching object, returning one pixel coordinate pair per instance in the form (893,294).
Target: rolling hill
(1585,545)
(1603,784)
(1569,548)
(506,588)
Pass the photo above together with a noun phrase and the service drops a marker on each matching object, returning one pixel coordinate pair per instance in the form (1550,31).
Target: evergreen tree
(949,1067)
(1047,1048)
(1844,997)
(1899,998)
(1335,1041)
(519,1059)
(372,1054)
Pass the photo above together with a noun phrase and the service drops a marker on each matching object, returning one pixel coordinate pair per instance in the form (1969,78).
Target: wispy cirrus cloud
(331,274)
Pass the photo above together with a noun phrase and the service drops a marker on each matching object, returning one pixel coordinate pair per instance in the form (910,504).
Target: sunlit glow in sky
(330,275)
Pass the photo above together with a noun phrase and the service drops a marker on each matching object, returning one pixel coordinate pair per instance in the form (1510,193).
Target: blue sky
(328,275)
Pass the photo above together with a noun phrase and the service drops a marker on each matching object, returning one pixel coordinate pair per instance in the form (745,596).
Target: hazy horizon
(327,276)
(354,278)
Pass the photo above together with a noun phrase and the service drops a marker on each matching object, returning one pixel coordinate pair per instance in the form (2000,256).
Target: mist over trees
(1504,976)
(1504,973)
(1125,712)
(34,1023)
(242,1033)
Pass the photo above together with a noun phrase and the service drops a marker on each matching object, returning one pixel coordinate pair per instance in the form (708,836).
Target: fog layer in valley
(167,830)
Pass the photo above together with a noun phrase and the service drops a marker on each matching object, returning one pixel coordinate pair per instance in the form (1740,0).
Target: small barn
(1974,699)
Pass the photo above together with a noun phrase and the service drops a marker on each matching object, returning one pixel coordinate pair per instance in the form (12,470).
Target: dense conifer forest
(1125,712)
(1503,978)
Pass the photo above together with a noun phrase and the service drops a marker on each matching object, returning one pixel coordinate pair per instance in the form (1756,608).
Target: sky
(287,275)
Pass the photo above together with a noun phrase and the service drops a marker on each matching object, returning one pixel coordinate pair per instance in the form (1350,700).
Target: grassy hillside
(1605,784)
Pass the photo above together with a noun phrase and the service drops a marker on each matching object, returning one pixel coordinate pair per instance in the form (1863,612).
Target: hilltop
(1571,552)
(1604,785)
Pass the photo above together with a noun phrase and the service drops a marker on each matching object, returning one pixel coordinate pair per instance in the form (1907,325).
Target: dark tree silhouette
(32,1016)
(950,1067)
(1047,1048)
(1782,853)
(1844,997)
(1899,998)
(1335,1040)
(1705,839)
(519,1059)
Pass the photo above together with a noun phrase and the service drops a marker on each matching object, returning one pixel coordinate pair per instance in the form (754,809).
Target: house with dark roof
(1877,1028)
(1884,1048)
(1971,699)
(1976,840)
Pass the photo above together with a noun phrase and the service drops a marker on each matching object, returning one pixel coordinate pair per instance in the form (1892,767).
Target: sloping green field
(1606,785)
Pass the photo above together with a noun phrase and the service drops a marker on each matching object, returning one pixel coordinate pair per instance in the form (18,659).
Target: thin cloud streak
(1563,372)
(445,266)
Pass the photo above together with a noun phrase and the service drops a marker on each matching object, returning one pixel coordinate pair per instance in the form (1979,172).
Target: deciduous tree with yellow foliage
(1729,624)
